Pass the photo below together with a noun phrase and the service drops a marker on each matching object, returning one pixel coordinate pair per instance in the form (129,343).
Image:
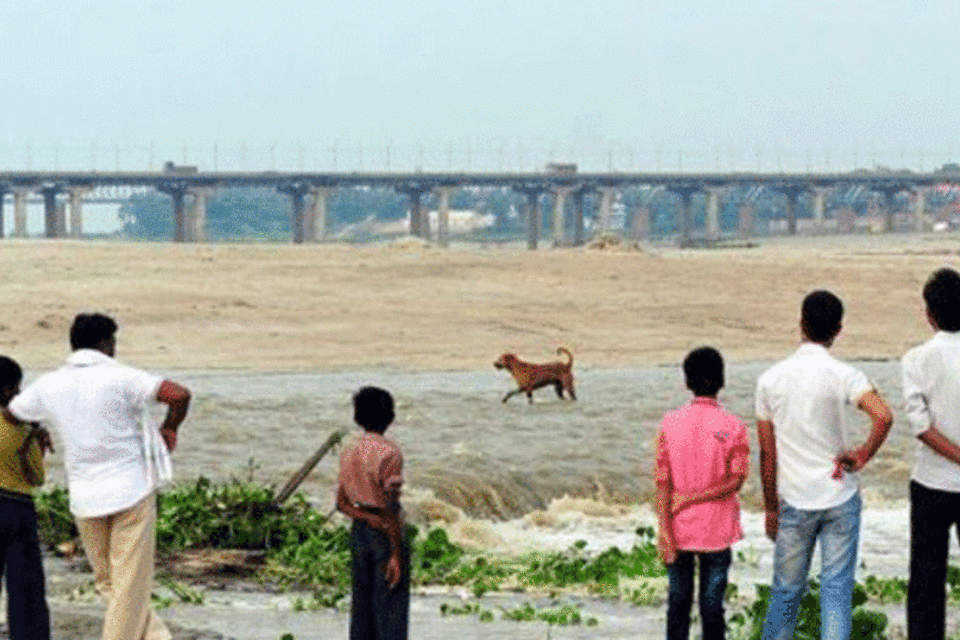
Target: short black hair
(821,316)
(942,295)
(90,329)
(373,409)
(703,369)
(10,372)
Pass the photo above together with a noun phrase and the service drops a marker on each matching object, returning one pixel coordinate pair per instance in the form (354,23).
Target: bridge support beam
(792,193)
(819,209)
(197,223)
(20,212)
(608,196)
(684,221)
(890,192)
(745,215)
(76,212)
(3,194)
(443,216)
(419,220)
(578,238)
(52,215)
(920,209)
(300,222)
(713,212)
(534,214)
(317,229)
(559,216)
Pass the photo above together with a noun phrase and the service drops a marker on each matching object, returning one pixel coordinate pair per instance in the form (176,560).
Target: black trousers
(714,568)
(932,512)
(377,611)
(22,565)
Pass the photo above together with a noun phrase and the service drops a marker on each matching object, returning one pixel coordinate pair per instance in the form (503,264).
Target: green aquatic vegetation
(562,616)
(182,592)
(886,590)
(748,623)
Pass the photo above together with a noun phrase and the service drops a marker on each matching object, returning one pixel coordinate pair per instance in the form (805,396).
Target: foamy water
(472,459)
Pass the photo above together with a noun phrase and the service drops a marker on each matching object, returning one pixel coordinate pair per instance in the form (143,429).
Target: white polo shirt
(97,405)
(804,396)
(931,393)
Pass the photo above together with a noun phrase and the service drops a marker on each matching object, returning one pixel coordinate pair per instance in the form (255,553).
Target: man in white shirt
(99,406)
(931,391)
(807,467)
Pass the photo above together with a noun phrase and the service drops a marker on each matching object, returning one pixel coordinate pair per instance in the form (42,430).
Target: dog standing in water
(531,376)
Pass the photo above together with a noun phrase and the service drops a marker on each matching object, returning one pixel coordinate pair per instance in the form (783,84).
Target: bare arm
(666,541)
(873,404)
(725,488)
(945,447)
(768,476)
(177,399)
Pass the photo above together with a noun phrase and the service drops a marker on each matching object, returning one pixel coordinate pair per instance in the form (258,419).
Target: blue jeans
(838,530)
(714,567)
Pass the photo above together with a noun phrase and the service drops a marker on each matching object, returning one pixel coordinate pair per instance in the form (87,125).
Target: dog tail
(569,355)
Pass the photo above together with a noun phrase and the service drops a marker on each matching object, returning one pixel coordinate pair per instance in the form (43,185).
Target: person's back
(806,396)
(702,460)
(21,563)
(810,494)
(931,391)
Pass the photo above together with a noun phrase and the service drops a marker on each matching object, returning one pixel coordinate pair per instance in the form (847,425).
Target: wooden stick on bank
(297,479)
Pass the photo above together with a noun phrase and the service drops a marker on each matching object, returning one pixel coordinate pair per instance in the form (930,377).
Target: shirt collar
(87,357)
(947,335)
(807,347)
(710,402)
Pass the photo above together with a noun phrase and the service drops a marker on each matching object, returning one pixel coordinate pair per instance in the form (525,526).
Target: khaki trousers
(121,547)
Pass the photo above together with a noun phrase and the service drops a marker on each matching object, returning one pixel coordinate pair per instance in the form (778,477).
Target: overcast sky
(370,83)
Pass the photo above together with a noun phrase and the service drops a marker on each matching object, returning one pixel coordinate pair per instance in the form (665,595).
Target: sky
(502,84)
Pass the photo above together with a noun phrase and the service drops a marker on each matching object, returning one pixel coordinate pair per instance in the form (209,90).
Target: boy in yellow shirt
(21,469)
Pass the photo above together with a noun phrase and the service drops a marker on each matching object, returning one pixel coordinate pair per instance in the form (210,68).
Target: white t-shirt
(931,393)
(804,396)
(97,405)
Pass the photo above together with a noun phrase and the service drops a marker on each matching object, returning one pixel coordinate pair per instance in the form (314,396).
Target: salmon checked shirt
(371,471)
(698,446)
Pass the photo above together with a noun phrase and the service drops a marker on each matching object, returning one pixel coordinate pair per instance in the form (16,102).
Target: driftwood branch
(297,478)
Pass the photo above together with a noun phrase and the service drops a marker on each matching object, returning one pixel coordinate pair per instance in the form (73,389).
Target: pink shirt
(371,471)
(700,445)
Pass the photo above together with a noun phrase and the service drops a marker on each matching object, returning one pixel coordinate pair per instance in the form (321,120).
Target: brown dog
(530,376)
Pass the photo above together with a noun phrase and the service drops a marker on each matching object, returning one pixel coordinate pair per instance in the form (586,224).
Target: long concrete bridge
(309,195)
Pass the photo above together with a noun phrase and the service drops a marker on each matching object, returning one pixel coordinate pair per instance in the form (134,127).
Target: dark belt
(15,495)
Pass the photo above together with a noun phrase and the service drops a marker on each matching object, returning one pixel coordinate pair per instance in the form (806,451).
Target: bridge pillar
(684,223)
(560,193)
(640,223)
(578,238)
(419,221)
(713,212)
(443,216)
(20,212)
(317,229)
(920,209)
(3,193)
(889,193)
(177,193)
(608,195)
(534,213)
(299,221)
(76,211)
(819,208)
(792,193)
(52,222)
(745,218)
(197,223)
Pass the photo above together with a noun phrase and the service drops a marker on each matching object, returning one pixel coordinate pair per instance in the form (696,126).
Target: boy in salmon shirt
(702,460)
(371,475)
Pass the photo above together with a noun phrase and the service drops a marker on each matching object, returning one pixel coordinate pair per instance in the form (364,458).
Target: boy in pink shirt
(702,460)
